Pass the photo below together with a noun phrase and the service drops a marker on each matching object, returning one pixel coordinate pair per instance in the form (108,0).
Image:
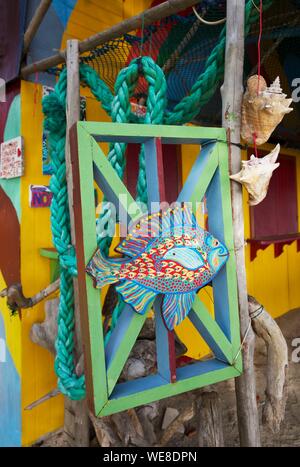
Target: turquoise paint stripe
(12,187)
(10,397)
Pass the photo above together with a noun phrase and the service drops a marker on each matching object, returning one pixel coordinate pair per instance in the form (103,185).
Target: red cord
(258,63)
(35,92)
(255,145)
(259,44)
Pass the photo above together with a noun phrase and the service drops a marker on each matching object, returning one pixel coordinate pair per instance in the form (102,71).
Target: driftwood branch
(35,23)
(44,293)
(210,428)
(16,299)
(277,362)
(184,416)
(145,18)
(105,431)
(44,334)
(55,392)
(120,429)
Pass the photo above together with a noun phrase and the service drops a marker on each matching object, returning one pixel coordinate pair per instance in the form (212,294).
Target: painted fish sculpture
(168,253)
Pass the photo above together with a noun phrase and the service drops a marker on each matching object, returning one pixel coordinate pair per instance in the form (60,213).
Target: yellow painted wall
(92,16)
(38,376)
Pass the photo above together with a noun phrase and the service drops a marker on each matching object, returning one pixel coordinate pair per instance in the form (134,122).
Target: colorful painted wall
(10,328)
(27,372)
(274,281)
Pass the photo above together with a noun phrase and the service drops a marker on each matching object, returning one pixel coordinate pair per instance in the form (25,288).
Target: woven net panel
(180,44)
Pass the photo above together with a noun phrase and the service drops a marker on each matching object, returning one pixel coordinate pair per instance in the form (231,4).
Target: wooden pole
(35,23)
(210,427)
(77,422)
(232,92)
(276,392)
(147,17)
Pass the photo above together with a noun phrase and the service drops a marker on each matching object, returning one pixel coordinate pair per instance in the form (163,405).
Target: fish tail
(103,271)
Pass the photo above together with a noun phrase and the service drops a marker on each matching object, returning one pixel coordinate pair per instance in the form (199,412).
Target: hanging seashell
(256,174)
(263,109)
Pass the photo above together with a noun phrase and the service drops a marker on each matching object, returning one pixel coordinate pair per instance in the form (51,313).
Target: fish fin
(103,271)
(146,229)
(136,295)
(133,246)
(179,217)
(176,307)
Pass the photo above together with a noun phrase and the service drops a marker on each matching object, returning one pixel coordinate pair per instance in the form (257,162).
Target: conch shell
(263,109)
(256,174)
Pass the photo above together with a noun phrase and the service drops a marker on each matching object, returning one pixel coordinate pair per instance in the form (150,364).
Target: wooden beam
(210,427)
(147,17)
(35,23)
(232,92)
(76,415)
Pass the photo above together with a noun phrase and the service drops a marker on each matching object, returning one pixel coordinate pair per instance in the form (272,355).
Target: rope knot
(68,261)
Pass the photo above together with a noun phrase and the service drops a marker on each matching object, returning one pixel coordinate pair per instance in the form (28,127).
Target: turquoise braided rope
(120,113)
(156,102)
(156,105)
(54,107)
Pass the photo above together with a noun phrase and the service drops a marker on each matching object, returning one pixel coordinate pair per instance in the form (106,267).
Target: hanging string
(258,62)
(255,6)
(35,92)
(208,23)
(255,144)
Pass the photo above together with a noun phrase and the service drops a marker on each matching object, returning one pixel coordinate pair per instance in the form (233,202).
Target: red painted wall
(278,213)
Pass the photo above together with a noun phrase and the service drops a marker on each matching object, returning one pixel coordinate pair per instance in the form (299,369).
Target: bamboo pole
(147,17)
(232,92)
(76,415)
(35,23)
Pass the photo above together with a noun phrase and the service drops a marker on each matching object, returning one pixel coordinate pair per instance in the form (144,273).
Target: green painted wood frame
(209,177)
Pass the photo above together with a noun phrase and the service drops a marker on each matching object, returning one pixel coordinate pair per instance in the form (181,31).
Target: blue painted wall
(10,397)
